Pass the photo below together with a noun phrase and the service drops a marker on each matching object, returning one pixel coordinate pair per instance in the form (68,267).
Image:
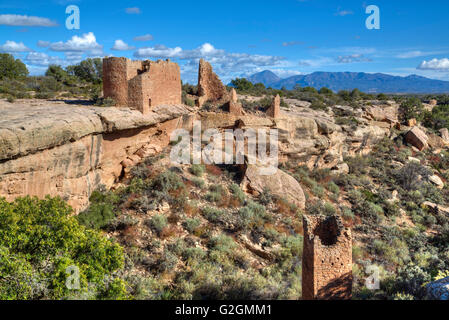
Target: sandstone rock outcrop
(280,184)
(411,122)
(69,151)
(274,111)
(141,85)
(435,142)
(436,208)
(445,135)
(433,102)
(436,180)
(210,87)
(417,138)
(383,113)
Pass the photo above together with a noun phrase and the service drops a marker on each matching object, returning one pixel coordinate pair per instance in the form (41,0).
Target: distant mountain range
(366,82)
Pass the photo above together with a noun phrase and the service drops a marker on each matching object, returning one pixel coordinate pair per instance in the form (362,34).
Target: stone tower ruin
(141,85)
(327,259)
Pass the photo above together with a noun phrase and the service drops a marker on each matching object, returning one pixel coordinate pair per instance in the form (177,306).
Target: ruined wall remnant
(275,110)
(141,85)
(327,259)
(235,107)
(210,87)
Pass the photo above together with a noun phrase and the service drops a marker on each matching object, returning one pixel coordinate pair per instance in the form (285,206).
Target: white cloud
(25,21)
(316,62)
(435,64)
(357,57)
(281,73)
(86,43)
(42,59)
(416,54)
(226,64)
(146,37)
(120,45)
(12,46)
(343,13)
(134,10)
(43,44)
(158,51)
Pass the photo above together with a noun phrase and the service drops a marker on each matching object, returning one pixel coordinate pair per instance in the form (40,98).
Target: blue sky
(238,37)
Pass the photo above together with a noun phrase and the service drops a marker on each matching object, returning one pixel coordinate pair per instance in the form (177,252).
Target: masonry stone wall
(327,259)
(115,79)
(210,87)
(141,85)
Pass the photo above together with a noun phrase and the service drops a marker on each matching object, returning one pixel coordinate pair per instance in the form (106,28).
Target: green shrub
(199,183)
(238,193)
(191,224)
(10,98)
(11,68)
(101,211)
(266,197)
(252,215)
(167,261)
(222,243)
(197,169)
(167,181)
(158,222)
(39,240)
(332,187)
(412,108)
(194,254)
(212,214)
(216,193)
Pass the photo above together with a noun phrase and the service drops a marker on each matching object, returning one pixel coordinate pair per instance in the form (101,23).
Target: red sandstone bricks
(210,87)
(235,107)
(275,110)
(327,259)
(141,85)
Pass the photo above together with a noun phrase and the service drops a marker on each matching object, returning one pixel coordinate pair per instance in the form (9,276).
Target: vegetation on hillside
(41,246)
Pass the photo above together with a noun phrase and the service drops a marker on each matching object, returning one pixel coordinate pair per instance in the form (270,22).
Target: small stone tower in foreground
(327,259)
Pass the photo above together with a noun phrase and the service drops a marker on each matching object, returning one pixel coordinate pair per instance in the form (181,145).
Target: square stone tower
(327,259)
(141,85)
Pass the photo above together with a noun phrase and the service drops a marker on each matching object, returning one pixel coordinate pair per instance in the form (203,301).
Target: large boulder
(436,180)
(445,135)
(417,138)
(438,290)
(382,113)
(435,142)
(280,184)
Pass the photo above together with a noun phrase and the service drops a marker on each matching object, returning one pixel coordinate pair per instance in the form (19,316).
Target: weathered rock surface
(438,290)
(417,138)
(383,113)
(435,142)
(25,129)
(279,183)
(70,150)
(436,180)
(445,135)
(437,209)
